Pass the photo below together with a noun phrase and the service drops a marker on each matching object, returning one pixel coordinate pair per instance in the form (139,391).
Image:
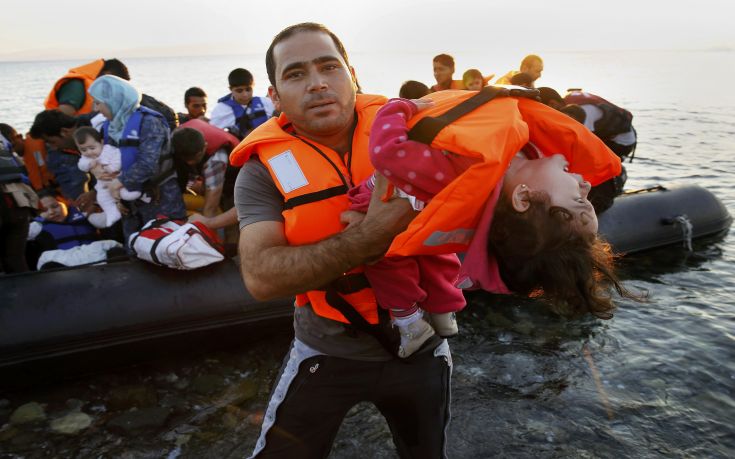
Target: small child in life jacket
(538,232)
(102,160)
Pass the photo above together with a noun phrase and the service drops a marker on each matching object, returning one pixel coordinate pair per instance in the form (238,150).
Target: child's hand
(104,175)
(422,104)
(114,188)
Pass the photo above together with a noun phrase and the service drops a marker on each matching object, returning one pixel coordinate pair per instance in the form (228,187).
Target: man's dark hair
(270,61)
(115,67)
(521,79)
(240,77)
(444,59)
(193,92)
(549,94)
(412,89)
(81,134)
(49,193)
(50,122)
(7,131)
(574,111)
(187,143)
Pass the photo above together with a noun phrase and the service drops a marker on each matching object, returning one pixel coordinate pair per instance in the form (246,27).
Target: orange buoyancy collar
(314,180)
(493,133)
(87,73)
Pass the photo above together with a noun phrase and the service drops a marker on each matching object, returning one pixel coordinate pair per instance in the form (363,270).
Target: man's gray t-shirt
(257,199)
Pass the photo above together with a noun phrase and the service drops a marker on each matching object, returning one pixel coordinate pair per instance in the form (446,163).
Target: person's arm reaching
(218,221)
(271,268)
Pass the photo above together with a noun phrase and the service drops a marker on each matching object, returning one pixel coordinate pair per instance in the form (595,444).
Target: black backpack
(156,105)
(614,121)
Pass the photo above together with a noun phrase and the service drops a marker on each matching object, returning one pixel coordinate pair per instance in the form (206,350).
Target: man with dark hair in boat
(200,153)
(291,200)
(195,101)
(532,64)
(612,124)
(56,128)
(69,93)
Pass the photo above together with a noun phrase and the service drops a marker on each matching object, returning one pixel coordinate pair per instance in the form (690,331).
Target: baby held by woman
(104,162)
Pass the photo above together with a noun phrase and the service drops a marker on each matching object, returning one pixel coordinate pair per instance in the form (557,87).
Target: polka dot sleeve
(414,167)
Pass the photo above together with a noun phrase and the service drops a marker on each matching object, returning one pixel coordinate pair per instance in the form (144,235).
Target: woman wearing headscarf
(143,138)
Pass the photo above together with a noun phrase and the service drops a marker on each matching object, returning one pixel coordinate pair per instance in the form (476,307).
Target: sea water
(658,380)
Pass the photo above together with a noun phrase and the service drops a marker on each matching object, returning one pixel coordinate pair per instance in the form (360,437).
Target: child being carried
(103,161)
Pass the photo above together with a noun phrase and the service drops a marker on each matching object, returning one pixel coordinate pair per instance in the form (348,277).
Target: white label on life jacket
(39,158)
(287,171)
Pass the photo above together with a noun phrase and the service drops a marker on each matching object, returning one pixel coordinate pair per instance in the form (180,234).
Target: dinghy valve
(683,222)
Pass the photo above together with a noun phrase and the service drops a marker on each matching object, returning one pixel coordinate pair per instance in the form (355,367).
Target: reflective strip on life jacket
(34,157)
(493,133)
(314,180)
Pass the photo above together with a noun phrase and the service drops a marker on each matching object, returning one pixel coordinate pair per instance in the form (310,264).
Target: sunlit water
(524,382)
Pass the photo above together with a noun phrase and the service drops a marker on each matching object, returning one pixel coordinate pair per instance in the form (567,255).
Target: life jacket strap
(315,196)
(429,127)
(381,332)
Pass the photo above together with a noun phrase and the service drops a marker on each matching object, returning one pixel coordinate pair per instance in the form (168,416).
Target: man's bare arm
(211,201)
(218,221)
(271,268)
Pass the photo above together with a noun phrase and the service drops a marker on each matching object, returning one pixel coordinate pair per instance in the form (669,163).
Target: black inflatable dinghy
(66,311)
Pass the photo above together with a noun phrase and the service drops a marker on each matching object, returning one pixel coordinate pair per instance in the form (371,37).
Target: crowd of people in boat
(102,158)
(354,203)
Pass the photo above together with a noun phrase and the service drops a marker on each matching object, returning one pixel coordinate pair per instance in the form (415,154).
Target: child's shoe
(445,324)
(413,335)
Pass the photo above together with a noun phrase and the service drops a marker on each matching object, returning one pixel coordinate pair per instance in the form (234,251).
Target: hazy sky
(84,28)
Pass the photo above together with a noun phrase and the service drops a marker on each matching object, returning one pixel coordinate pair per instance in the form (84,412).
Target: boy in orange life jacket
(538,231)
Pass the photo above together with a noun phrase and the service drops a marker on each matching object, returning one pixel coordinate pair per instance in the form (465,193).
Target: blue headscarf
(120,97)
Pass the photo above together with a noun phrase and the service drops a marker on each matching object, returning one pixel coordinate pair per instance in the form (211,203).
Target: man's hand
(85,201)
(384,220)
(193,218)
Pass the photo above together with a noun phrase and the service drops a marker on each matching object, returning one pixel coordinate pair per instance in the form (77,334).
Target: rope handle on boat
(647,190)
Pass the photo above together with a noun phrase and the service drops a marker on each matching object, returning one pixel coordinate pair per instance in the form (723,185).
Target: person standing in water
(291,200)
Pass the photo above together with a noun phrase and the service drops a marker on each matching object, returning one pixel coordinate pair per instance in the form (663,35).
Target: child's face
(242,94)
(565,189)
(442,73)
(474,84)
(90,148)
(53,210)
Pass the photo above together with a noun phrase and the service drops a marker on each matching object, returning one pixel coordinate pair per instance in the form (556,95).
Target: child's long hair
(541,252)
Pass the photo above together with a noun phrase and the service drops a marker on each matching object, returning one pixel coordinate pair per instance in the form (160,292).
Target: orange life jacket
(87,73)
(455,84)
(493,133)
(34,157)
(314,180)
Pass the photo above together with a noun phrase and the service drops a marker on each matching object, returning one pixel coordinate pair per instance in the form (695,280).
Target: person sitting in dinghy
(144,140)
